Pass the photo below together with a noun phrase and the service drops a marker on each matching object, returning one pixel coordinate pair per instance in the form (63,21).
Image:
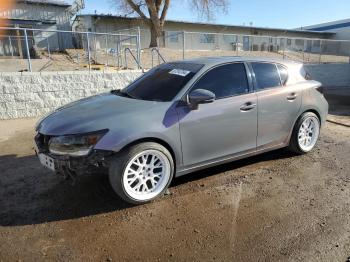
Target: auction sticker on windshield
(179,72)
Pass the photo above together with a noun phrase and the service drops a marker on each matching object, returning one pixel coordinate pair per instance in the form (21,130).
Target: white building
(205,36)
(43,14)
(340,30)
(38,14)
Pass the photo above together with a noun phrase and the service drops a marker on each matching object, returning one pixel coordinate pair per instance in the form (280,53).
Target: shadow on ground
(30,194)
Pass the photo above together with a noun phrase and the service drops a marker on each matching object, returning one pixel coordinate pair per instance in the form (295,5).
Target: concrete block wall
(26,94)
(330,75)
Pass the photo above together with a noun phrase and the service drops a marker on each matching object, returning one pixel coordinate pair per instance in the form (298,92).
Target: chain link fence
(176,45)
(36,50)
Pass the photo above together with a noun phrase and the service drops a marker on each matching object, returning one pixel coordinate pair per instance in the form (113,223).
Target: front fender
(117,140)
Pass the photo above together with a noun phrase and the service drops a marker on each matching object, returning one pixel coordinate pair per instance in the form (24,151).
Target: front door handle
(247,106)
(291,96)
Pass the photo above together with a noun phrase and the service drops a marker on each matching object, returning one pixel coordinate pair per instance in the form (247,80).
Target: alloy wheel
(146,175)
(308,133)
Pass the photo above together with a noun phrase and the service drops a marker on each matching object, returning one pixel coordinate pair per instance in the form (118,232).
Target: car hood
(96,113)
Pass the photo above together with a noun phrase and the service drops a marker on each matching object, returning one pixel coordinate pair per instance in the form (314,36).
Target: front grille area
(42,142)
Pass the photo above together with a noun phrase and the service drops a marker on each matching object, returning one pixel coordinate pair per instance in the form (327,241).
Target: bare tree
(153,12)
(207,8)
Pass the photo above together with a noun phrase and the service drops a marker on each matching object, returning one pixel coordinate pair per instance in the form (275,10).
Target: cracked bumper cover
(95,160)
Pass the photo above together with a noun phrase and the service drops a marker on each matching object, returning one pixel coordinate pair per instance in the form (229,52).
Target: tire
(137,180)
(301,142)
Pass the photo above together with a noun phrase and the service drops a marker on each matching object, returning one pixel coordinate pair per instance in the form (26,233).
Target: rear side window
(225,81)
(283,74)
(266,75)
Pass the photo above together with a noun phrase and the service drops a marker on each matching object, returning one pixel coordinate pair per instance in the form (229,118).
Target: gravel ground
(274,207)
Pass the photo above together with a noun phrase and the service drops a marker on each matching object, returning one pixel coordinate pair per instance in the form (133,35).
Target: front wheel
(305,133)
(142,172)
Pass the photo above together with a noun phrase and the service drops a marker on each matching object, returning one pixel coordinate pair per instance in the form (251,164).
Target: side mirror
(200,96)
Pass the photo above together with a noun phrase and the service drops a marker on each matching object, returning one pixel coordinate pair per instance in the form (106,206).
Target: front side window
(225,81)
(207,39)
(162,83)
(266,75)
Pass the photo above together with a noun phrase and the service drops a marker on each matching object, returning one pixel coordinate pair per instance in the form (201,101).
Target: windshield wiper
(121,93)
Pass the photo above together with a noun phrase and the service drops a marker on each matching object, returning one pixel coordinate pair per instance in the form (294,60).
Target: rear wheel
(142,172)
(305,134)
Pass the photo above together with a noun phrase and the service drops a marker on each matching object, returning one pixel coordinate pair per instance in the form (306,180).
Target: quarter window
(266,75)
(224,81)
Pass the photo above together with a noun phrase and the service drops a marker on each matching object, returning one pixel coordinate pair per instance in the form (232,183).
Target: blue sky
(263,13)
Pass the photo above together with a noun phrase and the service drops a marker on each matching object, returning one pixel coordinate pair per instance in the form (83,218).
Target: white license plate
(47,161)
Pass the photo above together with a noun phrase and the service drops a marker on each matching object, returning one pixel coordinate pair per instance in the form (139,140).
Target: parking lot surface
(273,207)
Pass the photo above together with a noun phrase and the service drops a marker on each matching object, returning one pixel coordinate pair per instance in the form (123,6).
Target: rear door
(278,103)
(225,127)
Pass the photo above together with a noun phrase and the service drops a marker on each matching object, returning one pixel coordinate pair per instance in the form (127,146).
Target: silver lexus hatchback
(181,117)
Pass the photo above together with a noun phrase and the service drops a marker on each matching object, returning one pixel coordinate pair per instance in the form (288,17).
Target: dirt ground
(274,207)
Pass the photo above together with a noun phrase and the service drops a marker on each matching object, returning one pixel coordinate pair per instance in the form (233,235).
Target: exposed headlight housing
(75,145)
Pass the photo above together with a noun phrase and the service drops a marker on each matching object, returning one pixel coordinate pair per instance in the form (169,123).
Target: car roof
(214,60)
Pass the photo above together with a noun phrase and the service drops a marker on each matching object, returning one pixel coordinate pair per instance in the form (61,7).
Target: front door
(225,127)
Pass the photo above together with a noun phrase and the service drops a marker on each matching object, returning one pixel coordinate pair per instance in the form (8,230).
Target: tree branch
(158,5)
(165,10)
(207,8)
(152,8)
(136,8)
(152,12)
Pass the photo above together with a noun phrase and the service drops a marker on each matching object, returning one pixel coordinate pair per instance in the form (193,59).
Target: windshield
(163,82)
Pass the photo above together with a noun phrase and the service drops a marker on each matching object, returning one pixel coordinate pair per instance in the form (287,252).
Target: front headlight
(75,145)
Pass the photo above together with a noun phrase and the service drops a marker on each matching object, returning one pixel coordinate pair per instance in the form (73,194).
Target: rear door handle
(247,106)
(291,96)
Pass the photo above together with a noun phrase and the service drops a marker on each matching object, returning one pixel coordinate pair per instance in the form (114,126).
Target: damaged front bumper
(71,166)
